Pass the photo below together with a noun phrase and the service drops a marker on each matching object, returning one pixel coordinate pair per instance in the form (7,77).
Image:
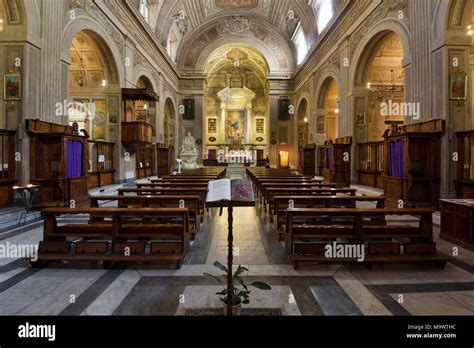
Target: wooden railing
(136,134)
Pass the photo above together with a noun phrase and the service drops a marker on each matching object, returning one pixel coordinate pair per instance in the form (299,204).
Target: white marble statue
(189,153)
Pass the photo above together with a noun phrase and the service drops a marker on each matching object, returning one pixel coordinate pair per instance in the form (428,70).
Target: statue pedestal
(189,160)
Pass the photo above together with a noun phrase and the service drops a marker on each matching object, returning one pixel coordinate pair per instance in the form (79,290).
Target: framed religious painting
(458,86)
(320,125)
(360,118)
(188,109)
(260,126)
(284,109)
(212,125)
(12,87)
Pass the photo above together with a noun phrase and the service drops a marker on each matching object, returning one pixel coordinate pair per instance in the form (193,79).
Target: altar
(239,157)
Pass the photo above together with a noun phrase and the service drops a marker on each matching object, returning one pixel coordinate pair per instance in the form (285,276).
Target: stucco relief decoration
(393,5)
(116,36)
(236,4)
(292,21)
(276,48)
(85,5)
(364,29)
(380,13)
(181,20)
(213,6)
(236,25)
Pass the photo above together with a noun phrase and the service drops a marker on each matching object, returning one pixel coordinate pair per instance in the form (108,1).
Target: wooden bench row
(283,203)
(309,216)
(309,231)
(200,173)
(143,234)
(200,192)
(192,203)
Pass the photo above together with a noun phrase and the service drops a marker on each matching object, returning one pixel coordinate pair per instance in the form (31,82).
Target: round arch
(144,80)
(141,72)
(169,122)
(302,125)
(327,105)
(84,86)
(371,68)
(303,107)
(449,17)
(323,86)
(32,19)
(202,60)
(108,46)
(366,47)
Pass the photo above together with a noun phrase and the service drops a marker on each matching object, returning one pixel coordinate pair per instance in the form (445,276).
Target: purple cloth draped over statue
(328,158)
(74,159)
(396,158)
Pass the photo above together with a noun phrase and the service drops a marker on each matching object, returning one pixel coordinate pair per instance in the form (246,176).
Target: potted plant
(239,295)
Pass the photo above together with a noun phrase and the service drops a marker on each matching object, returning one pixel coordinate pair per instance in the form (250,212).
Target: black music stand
(230,205)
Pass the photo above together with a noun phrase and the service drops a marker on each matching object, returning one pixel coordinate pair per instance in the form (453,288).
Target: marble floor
(313,290)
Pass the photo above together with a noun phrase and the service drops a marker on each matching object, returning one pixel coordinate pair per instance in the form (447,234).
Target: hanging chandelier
(380,92)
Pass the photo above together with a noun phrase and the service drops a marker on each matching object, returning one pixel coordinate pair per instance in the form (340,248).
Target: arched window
(143,8)
(324,13)
(300,43)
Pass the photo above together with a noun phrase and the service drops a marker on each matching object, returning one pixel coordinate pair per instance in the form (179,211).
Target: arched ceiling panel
(203,21)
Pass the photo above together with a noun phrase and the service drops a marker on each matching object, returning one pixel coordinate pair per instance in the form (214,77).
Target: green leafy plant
(239,295)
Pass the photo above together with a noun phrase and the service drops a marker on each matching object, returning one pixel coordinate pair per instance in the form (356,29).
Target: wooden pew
(131,235)
(257,177)
(262,187)
(190,202)
(175,185)
(281,205)
(306,242)
(190,177)
(179,180)
(171,191)
(218,173)
(260,182)
(271,192)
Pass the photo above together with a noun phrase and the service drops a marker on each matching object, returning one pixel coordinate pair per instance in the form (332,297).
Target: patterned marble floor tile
(400,274)
(435,303)
(367,303)
(464,297)
(110,299)
(46,292)
(334,300)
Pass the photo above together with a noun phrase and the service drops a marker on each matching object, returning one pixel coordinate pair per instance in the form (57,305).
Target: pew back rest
(111,228)
(282,202)
(358,220)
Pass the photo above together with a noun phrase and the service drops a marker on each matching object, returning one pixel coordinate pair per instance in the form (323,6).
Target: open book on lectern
(236,190)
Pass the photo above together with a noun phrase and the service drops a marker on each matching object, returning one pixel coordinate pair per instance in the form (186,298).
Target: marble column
(420,14)
(222,124)
(51,89)
(248,130)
